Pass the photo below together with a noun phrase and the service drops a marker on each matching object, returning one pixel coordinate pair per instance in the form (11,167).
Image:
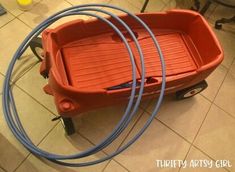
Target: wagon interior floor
(102,61)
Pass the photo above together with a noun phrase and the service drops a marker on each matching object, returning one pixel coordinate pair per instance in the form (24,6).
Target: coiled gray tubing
(10,111)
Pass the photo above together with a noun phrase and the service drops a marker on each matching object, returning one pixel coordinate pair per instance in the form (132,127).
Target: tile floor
(198,128)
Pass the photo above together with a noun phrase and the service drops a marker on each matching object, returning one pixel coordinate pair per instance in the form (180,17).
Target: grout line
(207,155)
(156,118)
(102,151)
(213,101)
(68,2)
(207,113)
(196,134)
(24,22)
(109,161)
(227,72)
(3,169)
(22,12)
(2,74)
(15,18)
(224,111)
(58,123)
(121,165)
(10,12)
(211,12)
(34,5)
(131,129)
(144,111)
(109,1)
(173,131)
(166,3)
(43,138)
(13,81)
(35,100)
(206,97)
(147,105)
(106,165)
(212,20)
(87,139)
(7,22)
(22,162)
(43,19)
(111,143)
(130,3)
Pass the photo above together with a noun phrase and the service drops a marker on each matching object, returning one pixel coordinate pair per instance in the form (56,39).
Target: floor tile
(33,83)
(57,142)
(76,2)
(43,10)
(210,10)
(187,4)
(214,82)
(82,2)
(114,167)
(165,1)
(195,154)
(12,38)
(216,137)
(5,18)
(98,124)
(35,118)
(12,6)
(29,115)
(145,103)
(127,5)
(227,40)
(183,116)
(223,12)
(1,83)
(226,95)
(153,5)
(184,4)
(23,65)
(12,152)
(157,143)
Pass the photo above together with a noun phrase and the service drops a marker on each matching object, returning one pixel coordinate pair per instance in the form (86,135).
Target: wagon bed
(97,63)
(89,67)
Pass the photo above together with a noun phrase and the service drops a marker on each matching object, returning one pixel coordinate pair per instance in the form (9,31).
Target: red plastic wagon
(88,66)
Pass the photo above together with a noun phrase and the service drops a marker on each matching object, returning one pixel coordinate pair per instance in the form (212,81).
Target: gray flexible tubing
(139,48)
(133,84)
(123,40)
(7,92)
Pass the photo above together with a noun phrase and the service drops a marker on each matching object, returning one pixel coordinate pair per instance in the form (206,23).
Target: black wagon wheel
(68,126)
(36,47)
(191,91)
